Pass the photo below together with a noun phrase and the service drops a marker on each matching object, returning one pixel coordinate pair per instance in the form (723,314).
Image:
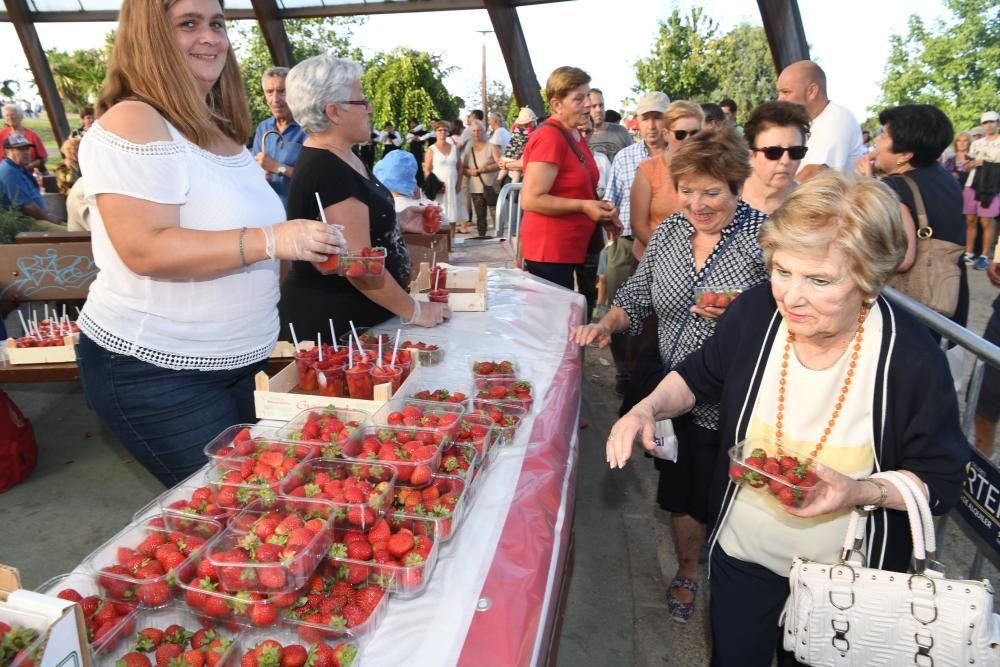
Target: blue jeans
(164,418)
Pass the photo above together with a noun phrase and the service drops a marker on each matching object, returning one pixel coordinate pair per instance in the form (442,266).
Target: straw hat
(525,116)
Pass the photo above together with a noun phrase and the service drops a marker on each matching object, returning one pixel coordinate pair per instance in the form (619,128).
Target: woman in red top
(558,195)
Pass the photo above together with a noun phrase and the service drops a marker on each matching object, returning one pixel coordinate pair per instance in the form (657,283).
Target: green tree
(308,37)
(78,75)
(742,66)
(680,60)
(954,64)
(498,97)
(404,84)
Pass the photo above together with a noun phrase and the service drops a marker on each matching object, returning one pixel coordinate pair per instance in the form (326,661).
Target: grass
(44,130)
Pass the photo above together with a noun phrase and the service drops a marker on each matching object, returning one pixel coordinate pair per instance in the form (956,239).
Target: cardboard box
(62,638)
(276,398)
(42,355)
(467,289)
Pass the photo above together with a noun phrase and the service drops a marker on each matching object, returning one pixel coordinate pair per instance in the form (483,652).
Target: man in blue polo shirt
(278,139)
(18,189)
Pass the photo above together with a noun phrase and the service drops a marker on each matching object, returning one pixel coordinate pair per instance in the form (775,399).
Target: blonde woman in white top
(187,235)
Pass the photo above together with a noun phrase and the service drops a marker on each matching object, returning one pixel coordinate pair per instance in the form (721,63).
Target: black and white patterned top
(666,278)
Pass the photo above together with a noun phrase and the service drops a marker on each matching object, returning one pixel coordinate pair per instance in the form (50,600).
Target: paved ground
(86,487)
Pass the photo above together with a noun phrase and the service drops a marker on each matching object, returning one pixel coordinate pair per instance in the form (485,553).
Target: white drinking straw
(322,213)
(78,312)
(24,325)
(319,343)
(350,353)
(357,338)
(333,335)
(395,348)
(64,311)
(379,362)
(46,316)
(437,276)
(295,339)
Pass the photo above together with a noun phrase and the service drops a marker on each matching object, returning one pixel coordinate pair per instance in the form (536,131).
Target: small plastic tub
(787,478)
(330,378)
(346,646)
(350,602)
(462,461)
(494,368)
(94,606)
(187,499)
(505,390)
(330,428)
(285,525)
(161,619)
(719,296)
(387,374)
(117,564)
(368,262)
(359,381)
(507,417)
(409,577)
(477,430)
(233,492)
(415,452)
(413,413)
(359,493)
(438,296)
(445,502)
(204,597)
(224,446)
(439,387)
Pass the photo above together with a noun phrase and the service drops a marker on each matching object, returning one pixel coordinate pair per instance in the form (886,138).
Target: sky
(849,38)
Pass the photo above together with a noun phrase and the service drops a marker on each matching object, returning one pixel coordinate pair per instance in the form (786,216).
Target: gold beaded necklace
(838,406)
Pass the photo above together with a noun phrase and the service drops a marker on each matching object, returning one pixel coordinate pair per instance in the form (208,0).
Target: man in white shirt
(499,136)
(835,138)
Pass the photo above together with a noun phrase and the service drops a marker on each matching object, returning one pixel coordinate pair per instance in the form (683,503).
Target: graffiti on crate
(50,271)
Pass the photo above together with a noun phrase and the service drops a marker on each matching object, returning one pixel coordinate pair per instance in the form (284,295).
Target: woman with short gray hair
(325,96)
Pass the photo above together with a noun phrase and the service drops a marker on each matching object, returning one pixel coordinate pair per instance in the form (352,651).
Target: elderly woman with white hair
(325,97)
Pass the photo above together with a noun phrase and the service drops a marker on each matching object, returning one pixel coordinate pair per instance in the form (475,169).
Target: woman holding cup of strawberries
(815,366)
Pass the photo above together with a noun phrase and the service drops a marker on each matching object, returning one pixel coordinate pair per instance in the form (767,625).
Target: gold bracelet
(883,494)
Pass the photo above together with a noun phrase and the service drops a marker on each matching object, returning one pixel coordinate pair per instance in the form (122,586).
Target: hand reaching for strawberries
(639,424)
(598,334)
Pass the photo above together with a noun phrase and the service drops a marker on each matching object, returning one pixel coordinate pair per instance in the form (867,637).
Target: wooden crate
(58,354)
(467,289)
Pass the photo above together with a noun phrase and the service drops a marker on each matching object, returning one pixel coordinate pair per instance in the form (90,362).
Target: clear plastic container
(94,607)
(719,296)
(375,481)
(203,596)
(477,430)
(462,461)
(344,609)
(163,618)
(287,634)
(787,478)
(187,499)
(331,428)
(447,515)
(430,415)
(505,367)
(440,387)
(31,628)
(400,440)
(363,264)
(427,348)
(299,551)
(224,445)
(505,390)
(403,580)
(233,493)
(110,562)
(507,417)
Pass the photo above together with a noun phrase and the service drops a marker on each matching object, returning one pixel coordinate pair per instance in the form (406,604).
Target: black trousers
(746,601)
(560,274)
(479,205)
(586,281)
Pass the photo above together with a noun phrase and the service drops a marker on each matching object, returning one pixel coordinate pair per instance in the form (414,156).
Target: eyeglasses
(775,152)
(681,135)
(366,103)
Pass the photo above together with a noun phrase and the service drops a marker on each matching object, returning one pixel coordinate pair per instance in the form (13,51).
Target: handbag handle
(924,230)
(926,517)
(856,525)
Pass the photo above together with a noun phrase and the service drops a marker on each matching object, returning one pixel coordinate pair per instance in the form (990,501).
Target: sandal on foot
(681,611)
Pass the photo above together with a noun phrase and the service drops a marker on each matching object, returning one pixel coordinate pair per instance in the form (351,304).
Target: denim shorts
(163,417)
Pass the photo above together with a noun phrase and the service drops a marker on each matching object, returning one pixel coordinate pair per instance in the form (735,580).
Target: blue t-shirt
(287,153)
(17,187)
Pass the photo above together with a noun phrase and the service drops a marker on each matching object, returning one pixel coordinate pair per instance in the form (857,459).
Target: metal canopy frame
(781,18)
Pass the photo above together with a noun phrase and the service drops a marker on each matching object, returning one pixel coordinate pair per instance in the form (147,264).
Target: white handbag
(666,441)
(848,614)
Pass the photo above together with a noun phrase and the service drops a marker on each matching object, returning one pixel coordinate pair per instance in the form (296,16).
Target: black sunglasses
(681,135)
(775,152)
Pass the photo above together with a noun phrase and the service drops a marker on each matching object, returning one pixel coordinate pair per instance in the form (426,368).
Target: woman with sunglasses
(710,242)
(653,195)
(325,96)
(776,133)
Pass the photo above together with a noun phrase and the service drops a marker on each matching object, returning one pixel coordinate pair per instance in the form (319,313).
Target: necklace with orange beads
(838,406)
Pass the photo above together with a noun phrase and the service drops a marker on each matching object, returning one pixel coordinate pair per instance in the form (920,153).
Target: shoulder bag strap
(576,151)
(472,149)
(924,230)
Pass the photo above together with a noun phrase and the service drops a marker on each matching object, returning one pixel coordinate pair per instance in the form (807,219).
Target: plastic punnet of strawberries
(192,500)
(104,619)
(330,428)
(391,548)
(337,602)
(414,453)
(358,492)
(441,396)
(787,478)
(175,646)
(506,390)
(148,571)
(438,502)
(429,354)
(204,595)
(271,550)
(270,653)
(16,645)
(366,262)
(503,368)
(419,414)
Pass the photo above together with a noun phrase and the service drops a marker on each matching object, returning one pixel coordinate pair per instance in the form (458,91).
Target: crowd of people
(791,208)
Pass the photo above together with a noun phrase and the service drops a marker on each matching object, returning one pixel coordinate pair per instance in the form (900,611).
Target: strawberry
(736,472)
(133,660)
(355,269)
(167,652)
(400,543)
(787,463)
(263,614)
(70,594)
(345,653)
(192,658)
(154,594)
(789,496)
(294,655)
(148,639)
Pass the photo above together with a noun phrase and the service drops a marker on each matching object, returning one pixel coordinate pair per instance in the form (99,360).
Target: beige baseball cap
(655,101)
